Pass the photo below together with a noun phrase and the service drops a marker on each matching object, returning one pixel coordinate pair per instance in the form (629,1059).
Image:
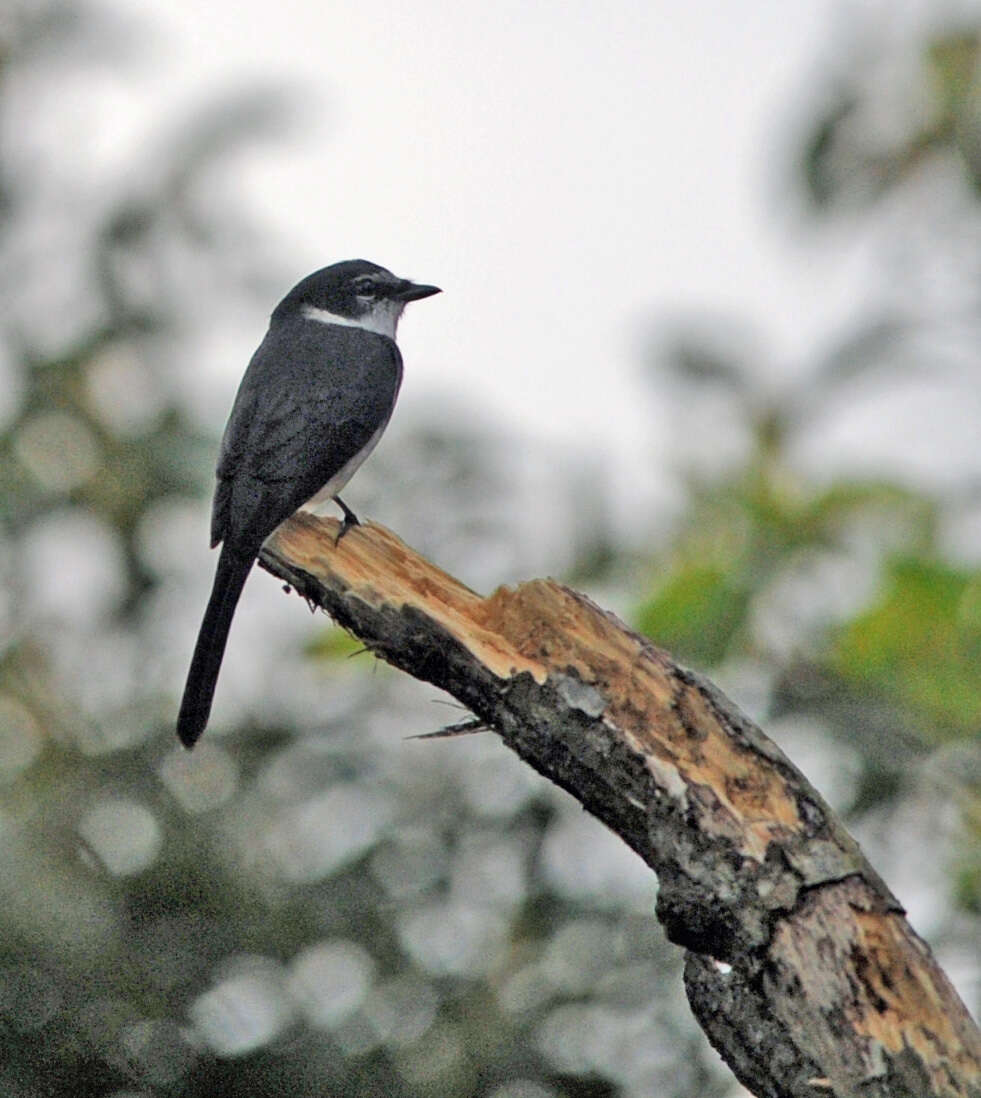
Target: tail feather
(230,577)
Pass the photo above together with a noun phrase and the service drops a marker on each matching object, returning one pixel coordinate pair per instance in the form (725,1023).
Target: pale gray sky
(559,168)
(565,171)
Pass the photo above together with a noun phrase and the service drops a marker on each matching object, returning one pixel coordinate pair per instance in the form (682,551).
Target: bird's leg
(350,519)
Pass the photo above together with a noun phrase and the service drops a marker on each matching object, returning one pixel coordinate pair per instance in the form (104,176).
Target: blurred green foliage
(889,665)
(932,101)
(920,643)
(697,612)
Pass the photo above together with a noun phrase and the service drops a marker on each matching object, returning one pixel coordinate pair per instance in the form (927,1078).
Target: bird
(312,405)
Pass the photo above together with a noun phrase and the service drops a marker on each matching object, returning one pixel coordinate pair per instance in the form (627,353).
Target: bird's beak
(414,291)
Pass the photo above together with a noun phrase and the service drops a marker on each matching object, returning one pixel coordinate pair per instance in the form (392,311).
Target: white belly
(318,502)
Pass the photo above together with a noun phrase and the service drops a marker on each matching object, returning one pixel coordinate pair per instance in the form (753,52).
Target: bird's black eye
(365,287)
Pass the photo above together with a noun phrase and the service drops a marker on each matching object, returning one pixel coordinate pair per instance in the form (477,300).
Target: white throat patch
(383,318)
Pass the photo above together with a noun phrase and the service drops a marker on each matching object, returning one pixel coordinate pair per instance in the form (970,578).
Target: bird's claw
(350,519)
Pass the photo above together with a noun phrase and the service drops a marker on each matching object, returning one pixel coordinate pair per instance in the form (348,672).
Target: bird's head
(355,294)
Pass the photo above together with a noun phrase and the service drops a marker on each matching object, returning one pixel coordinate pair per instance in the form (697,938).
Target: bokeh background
(709,350)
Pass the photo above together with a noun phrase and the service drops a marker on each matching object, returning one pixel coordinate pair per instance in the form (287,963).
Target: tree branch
(800,967)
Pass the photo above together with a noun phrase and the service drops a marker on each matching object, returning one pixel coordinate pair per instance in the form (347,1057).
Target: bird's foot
(350,519)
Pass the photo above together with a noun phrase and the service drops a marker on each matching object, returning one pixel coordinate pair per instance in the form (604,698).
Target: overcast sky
(567,172)
(561,169)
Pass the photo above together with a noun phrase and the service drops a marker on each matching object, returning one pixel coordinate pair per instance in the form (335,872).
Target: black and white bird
(312,405)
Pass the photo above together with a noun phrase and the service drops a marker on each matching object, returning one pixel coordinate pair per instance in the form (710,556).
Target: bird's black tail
(230,577)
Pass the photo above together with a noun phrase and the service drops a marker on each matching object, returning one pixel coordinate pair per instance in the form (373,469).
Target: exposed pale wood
(801,967)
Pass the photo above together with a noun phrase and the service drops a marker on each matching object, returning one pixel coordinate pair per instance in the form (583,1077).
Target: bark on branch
(800,965)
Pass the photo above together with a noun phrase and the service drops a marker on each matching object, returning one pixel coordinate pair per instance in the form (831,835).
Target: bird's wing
(312,398)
